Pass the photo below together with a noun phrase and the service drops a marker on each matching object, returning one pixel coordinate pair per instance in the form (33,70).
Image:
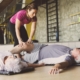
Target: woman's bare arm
(17,29)
(33,28)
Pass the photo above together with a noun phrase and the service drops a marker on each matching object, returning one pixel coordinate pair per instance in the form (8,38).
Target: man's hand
(55,70)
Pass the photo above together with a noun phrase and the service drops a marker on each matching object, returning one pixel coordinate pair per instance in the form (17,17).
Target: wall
(69,32)
(41,31)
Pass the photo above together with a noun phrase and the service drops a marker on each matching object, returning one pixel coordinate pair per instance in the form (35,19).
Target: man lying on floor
(62,56)
(47,54)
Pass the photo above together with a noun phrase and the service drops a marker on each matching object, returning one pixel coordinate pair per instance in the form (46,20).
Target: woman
(17,21)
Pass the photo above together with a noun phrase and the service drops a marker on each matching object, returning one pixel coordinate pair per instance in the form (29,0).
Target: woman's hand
(21,43)
(29,41)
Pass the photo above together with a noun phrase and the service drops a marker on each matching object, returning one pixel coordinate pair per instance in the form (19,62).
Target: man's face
(76,52)
(12,58)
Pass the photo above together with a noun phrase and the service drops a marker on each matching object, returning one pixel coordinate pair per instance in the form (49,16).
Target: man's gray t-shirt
(54,51)
(42,51)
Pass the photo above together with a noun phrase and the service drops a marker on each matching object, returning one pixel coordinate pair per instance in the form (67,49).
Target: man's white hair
(14,66)
(77,60)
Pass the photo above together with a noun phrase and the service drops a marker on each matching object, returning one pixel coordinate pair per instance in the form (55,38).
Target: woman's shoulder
(21,11)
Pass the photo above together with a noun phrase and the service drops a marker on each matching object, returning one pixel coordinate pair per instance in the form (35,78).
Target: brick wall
(67,32)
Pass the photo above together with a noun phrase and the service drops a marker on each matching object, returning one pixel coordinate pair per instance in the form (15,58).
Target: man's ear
(5,59)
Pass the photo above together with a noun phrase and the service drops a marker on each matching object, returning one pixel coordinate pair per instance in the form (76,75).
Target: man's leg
(18,49)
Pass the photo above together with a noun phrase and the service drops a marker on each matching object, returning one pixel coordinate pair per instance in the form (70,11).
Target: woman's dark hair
(30,6)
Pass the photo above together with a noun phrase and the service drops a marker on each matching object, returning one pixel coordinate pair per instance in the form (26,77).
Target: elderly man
(60,55)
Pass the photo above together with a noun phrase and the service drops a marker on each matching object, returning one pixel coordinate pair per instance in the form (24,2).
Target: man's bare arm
(35,65)
(62,65)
